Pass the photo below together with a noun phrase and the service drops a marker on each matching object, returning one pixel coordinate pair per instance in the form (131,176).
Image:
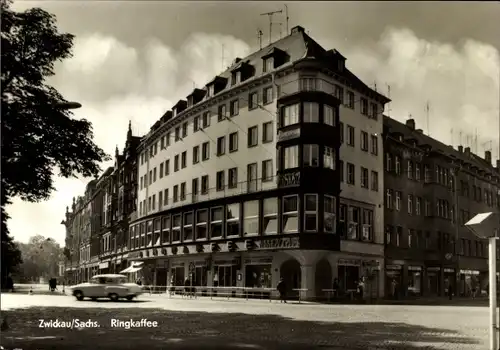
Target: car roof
(110,275)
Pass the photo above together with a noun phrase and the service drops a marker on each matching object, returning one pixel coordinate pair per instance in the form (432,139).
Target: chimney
(461,149)
(411,123)
(487,156)
(467,150)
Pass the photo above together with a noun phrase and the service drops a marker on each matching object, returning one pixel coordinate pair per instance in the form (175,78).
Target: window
(374,145)
(205,151)
(165,229)
(354,221)
(251,218)
(267,132)
(253,136)
(220,181)
(176,162)
(196,124)
(204,184)
(350,99)
(268,65)
(216,217)
(196,154)
(311,212)
(367,234)
(418,205)
(410,204)
(341,170)
(267,170)
(234,108)
(397,164)
(328,115)
(149,204)
(183,191)
(184,129)
(410,169)
(427,208)
(290,115)
(167,139)
(339,93)
(341,132)
(183,159)
(329,158)
(236,77)
(167,167)
(350,136)
(329,211)
(161,170)
(374,111)
(221,145)
(410,237)
(310,112)
(233,142)
(252,177)
(364,177)
(291,157)
(150,177)
(201,224)
(232,181)
(165,197)
(398,200)
(206,119)
(310,155)
(233,219)
(188,226)
(364,106)
(177,134)
(268,95)
(253,100)
(176,228)
(364,141)
(270,222)
(176,193)
(350,174)
(374,181)
(221,115)
(290,214)
(427,174)
(142,182)
(194,187)
(154,202)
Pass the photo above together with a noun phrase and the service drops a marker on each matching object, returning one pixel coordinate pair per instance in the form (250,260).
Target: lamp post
(485,225)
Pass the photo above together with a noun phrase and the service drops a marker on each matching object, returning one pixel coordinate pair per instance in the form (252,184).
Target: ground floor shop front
(313,271)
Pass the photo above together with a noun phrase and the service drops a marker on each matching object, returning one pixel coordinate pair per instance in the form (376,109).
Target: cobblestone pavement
(235,323)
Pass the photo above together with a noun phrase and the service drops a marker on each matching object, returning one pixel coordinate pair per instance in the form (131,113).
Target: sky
(132,60)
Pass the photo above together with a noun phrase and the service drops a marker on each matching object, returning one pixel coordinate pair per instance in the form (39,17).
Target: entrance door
(291,274)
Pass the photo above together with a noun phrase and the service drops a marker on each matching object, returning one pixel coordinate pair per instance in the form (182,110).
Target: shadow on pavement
(201,330)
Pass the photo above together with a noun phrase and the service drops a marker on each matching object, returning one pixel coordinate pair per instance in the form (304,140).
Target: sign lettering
(287,180)
(278,243)
(288,135)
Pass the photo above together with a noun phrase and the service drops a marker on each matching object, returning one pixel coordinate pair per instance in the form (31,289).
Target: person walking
(281,287)
(450,291)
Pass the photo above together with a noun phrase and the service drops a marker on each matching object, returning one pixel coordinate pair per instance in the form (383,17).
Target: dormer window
(340,65)
(236,78)
(210,92)
(174,112)
(268,64)
(190,101)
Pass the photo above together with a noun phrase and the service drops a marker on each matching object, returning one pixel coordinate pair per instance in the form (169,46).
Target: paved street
(234,323)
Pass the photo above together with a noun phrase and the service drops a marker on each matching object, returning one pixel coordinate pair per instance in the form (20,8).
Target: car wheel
(79,295)
(130,297)
(113,297)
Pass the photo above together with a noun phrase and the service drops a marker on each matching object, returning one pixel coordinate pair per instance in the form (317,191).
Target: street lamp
(484,225)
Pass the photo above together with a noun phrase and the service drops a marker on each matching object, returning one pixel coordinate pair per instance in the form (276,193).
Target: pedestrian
(281,287)
(394,286)
(361,287)
(172,285)
(187,290)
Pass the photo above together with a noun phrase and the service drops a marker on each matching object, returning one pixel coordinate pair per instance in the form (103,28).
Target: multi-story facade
(431,191)
(241,183)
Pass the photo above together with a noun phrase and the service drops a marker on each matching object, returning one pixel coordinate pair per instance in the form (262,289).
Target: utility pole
(259,36)
(287,19)
(270,14)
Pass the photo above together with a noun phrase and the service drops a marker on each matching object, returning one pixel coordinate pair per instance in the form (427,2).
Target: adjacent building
(431,191)
(273,170)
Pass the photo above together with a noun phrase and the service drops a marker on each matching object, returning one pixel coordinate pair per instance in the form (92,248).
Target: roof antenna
(270,14)
(389,97)
(222,58)
(259,36)
(427,109)
(287,19)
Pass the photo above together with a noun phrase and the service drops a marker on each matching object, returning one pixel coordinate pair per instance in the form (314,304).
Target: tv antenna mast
(222,57)
(259,36)
(389,97)
(427,109)
(270,14)
(287,19)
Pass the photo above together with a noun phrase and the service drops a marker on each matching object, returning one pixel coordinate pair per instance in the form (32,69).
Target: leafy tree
(41,257)
(39,135)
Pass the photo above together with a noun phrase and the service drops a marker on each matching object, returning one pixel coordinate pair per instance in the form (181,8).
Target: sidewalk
(444,301)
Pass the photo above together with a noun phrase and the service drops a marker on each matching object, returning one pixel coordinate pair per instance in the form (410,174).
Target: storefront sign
(288,180)
(289,135)
(225,262)
(349,262)
(134,255)
(259,261)
(393,267)
(280,243)
(469,272)
(437,268)
(449,270)
(414,268)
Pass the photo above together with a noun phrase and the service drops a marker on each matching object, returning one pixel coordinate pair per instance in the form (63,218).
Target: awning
(131,269)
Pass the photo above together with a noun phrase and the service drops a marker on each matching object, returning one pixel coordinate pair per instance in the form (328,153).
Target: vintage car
(110,286)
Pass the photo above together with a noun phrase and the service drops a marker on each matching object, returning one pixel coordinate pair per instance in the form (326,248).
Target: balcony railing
(306,84)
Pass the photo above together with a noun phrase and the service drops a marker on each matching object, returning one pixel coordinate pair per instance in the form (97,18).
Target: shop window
(225,276)
(251,218)
(177,276)
(311,213)
(188,226)
(157,232)
(176,228)
(290,214)
(216,217)
(354,221)
(290,115)
(233,219)
(258,276)
(201,223)
(165,227)
(270,216)
(329,214)
(310,155)
(310,112)
(348,277)
(199,276)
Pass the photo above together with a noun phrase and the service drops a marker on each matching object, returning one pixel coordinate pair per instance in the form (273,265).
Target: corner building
(241,183)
